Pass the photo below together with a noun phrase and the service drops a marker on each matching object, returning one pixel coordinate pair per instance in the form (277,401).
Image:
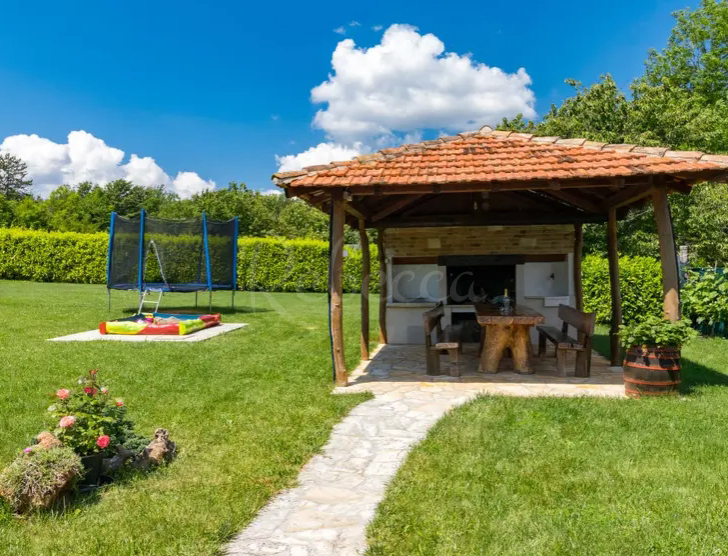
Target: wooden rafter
(626,196)
(394,206)
(574,199)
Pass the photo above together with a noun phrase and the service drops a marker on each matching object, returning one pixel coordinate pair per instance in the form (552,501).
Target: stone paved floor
(339,489)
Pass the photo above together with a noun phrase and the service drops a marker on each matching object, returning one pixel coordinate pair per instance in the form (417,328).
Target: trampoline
(157,256)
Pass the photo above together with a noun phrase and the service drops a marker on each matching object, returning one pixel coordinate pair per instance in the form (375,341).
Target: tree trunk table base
(498,338)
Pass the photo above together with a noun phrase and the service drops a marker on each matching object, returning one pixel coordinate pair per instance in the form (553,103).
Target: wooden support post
(578,247)
(615,354)
(668,257)
(336,265)
(365,276)
(382,287)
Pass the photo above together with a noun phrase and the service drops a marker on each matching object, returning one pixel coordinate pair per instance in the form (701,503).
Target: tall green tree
(14,181)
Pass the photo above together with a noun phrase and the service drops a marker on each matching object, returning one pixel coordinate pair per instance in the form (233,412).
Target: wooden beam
(468,187)
(382,287)
(495,218)
(668,257)
(351,209)
(336,265)
(615,354)
(365,277)
(578,248)
(626,196)
(575,200)
(394,206)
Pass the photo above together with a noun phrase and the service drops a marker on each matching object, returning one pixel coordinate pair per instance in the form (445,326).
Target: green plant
(657,332)
(87,419)
(264,264)
(35,478)
(640,281)
(705,298)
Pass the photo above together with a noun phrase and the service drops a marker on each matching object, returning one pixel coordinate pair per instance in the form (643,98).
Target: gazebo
(532,193)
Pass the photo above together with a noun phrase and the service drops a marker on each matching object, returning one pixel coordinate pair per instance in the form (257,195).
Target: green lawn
(570,476)
(247,409)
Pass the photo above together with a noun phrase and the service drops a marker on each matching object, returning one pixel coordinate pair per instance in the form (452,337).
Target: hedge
(264,264)
(640,281)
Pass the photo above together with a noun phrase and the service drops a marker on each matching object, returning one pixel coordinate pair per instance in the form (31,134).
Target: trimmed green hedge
(640,281)
(264,264)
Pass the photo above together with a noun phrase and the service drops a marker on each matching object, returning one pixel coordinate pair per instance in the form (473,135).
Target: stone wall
(482,240)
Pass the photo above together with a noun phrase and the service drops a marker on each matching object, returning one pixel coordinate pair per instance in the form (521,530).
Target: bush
(640,281)
(655,331)
(35,479)
(264,264)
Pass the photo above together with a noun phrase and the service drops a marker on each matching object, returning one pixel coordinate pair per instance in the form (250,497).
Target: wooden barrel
(651,372)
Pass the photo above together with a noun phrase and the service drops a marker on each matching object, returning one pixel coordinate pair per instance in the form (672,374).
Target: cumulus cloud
(323,153)
(409,82)
(392,92)
(87,158)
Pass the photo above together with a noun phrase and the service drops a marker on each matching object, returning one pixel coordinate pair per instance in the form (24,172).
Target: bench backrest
(432,320)
(583,322)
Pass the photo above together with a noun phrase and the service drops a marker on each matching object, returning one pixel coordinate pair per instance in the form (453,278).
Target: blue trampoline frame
(164,287)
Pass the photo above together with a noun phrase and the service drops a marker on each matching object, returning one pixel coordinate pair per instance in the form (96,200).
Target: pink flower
(104,390)
(27,450)
(119,402)
(67,421)
(63,393)
(103,441)
(93,371)
(90,391)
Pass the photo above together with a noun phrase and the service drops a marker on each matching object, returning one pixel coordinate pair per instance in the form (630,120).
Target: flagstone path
(338,490)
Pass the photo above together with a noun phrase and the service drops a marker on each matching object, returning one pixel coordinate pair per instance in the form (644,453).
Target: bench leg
(561,361)
(541,344)
(582,364)
(433,362)
(454,363)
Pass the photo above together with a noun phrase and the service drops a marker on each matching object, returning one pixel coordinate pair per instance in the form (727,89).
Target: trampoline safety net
(172,255)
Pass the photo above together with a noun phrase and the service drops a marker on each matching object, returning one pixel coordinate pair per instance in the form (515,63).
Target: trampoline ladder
(154,302)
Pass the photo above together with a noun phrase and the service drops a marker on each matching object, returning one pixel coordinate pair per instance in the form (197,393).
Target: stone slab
(199,336)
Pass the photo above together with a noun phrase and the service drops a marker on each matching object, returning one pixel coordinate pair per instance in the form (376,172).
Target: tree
(14,181)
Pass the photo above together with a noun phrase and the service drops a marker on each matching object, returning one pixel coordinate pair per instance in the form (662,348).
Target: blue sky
(221,88)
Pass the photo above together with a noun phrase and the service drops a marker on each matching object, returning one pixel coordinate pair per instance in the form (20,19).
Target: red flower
(93,371)
(103,441)
(104,390)
(63,393)
(90,391)
(119,402)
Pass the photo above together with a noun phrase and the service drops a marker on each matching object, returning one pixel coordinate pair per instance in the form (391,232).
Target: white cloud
(409,82)
(377,28)
(340,30)
(87,158)
(355,23)
(323,153)
(272,192)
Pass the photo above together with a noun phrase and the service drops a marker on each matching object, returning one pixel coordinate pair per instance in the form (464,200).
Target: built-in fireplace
(474,279)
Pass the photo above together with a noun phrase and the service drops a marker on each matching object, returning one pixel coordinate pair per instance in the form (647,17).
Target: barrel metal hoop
(649,383)
(638,366)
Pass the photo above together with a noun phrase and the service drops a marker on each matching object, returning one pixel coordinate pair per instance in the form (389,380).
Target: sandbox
(159,324)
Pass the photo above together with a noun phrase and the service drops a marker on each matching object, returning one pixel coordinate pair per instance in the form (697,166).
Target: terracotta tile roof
(501,156)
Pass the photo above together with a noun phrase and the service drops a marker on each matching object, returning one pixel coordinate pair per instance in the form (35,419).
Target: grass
(247,410)
(570,476)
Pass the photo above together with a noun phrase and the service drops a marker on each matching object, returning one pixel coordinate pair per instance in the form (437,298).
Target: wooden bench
(584,325)
(447,340)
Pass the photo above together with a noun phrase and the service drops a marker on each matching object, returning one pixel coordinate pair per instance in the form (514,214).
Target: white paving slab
(338,490)
(200,335)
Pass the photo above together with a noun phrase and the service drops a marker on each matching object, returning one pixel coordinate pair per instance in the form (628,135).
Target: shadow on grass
(202,310)
(694,374)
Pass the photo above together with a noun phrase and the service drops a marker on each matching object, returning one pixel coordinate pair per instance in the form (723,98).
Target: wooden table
(504,331)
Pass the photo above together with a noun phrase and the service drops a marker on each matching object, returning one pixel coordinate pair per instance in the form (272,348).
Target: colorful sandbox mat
(159,323)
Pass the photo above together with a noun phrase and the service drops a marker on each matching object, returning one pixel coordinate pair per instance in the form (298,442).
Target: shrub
(87,419)
(655,331)
(705,299)
(640,281)
(264,264)
(36,478)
